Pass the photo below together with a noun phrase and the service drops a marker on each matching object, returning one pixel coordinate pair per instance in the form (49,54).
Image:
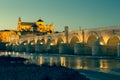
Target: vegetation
(2,46)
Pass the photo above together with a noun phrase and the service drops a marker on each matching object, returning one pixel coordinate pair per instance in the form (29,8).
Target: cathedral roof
(27,23)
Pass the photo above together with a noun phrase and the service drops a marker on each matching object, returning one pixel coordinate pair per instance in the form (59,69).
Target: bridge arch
(102,42)
(32,42)
(92,37)
(48,40)
(111,47)
(73,40)
(113,41)
(60,40)
(24,42)
(42,41)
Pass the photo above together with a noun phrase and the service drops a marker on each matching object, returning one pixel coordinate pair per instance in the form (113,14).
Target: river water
(105,64)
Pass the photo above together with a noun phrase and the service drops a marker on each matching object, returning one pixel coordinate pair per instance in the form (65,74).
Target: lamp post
(83,35)
(66,33)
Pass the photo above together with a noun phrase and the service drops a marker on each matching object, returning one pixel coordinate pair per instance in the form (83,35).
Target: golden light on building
(35,26)
(8,35)
(52,44)
(106,39)
(25,43)
(101,43)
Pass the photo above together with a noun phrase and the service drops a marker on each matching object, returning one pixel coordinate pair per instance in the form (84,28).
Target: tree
(2,46)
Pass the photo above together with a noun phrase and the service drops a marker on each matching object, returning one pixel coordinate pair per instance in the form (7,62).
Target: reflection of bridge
(98,41)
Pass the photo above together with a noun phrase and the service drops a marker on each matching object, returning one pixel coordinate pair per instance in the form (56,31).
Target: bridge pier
(52,49)
(97,48)
(40,48)
(118,50)
(15,48)
(8,47)
(65,48)
(79,48)
(30,47)
(22,47)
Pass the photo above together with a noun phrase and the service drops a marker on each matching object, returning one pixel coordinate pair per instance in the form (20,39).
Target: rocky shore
(15,68)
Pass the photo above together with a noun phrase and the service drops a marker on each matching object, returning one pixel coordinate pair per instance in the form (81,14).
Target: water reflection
(63,63)
(108,63)
(75,62)
(40,60)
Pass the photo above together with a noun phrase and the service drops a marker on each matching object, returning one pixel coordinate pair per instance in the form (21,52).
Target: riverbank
(16,68)
(93,67)
(96,75)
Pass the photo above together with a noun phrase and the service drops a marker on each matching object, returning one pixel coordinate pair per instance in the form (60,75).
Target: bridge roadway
(96,41)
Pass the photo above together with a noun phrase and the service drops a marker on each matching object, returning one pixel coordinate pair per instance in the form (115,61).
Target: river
(101,64)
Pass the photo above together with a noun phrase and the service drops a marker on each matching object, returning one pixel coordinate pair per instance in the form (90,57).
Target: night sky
(72,13)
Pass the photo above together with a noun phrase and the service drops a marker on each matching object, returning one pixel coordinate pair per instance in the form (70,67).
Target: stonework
(35,26)
(8,35)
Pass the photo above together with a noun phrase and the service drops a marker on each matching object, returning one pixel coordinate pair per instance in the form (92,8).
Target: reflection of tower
(40,60)
(79,63)
(63,60)
(19,24)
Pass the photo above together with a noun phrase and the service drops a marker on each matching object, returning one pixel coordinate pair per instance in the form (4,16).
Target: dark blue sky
(72,13)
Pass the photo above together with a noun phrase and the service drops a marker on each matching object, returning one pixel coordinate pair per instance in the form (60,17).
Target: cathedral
(26,29)
(38,26)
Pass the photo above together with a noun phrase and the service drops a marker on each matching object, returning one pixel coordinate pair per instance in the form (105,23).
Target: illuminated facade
(8,35)
(38,26)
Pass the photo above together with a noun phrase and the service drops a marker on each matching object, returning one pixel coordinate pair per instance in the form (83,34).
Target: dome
(40,20)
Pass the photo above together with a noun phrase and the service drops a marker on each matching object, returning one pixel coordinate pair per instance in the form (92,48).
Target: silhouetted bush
(2,46)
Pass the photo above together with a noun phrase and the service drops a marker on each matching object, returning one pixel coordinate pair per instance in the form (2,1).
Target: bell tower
(19,24)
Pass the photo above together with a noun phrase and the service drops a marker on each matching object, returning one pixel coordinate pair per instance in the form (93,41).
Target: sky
(75,14)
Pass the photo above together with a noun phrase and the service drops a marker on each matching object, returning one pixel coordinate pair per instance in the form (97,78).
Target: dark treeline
(2,46)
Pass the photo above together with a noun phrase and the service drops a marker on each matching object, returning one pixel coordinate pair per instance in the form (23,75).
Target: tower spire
(19,19)
(19,23)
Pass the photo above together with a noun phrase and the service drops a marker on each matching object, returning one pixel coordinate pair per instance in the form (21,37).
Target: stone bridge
(96,41)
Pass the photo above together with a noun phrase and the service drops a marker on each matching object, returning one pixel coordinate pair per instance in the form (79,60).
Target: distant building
(8,35)
(27,28)
(38,26)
